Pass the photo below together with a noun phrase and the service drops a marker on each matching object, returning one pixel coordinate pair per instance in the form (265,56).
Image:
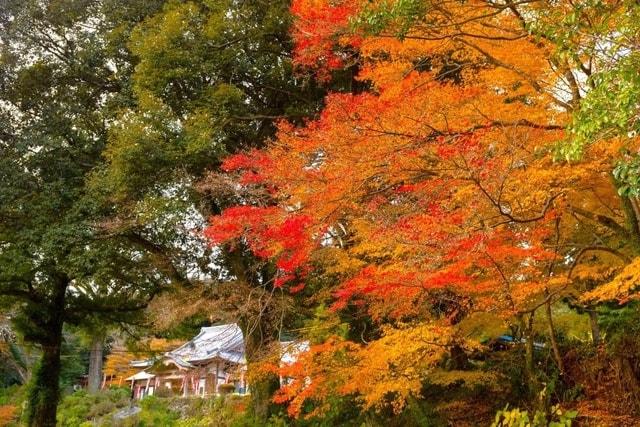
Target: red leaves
(312,374)
(373,280)
(237,162)
(235,221)
(250,166)
(288,242)
(292,233)
(292,261)
(252,160)
(377,282)
(317,32)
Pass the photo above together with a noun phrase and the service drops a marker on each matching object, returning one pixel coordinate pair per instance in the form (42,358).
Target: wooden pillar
(215,383)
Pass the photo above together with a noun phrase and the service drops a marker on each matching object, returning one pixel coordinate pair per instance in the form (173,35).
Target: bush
(155,412)
(227,411)
(12,395)
(81,407)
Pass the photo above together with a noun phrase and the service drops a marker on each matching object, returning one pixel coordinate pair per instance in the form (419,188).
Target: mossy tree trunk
(46,329)
(44,392)
(260,333)
(595,327)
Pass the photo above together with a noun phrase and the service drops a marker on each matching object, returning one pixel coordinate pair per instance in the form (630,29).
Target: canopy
(142,375)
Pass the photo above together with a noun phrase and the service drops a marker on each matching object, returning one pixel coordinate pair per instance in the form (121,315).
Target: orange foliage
(7,414)
(441,178)
(315,375)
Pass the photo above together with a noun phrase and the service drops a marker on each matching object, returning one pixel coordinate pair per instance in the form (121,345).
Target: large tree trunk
(95,364)
(259,334)
(262,388)
(262,391)
(45,387)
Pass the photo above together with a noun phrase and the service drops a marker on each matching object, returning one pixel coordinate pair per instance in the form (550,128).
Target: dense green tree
(63,76)
(110,113)
(213,78)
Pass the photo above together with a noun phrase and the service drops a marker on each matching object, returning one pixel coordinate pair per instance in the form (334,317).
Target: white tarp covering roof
(224,342)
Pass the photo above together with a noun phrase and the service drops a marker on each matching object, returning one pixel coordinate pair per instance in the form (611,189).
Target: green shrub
(155,412)
(82,407)
(12,395)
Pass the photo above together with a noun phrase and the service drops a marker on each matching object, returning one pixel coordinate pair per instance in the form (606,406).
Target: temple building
(211,363)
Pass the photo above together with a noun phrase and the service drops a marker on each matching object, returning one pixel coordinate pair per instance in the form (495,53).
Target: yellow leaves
(595,272)
(528,294)
(482,326)
(338,262)
(396,365)
(117,364)
(623,287)
(383,373)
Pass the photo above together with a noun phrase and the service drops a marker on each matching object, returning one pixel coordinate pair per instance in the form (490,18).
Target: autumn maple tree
(442,178)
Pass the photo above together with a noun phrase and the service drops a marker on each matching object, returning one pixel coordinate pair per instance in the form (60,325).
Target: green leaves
(63,84)
(610,108)
(627,174)
(212,77)
(596,39)
(394,16)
